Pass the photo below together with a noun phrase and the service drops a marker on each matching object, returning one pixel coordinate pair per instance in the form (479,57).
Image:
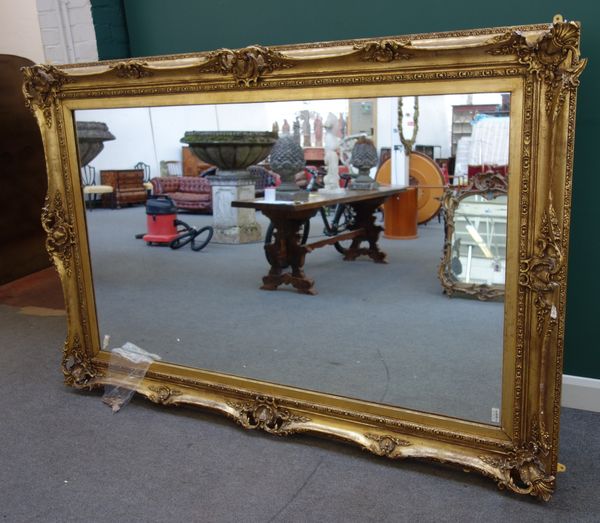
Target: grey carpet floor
(382,333)
(64,457)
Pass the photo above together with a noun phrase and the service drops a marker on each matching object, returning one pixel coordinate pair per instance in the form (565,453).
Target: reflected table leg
(365,220)
(287,251)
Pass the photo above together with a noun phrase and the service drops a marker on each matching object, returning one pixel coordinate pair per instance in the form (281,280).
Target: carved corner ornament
(247,65)
(132,69)
(77,366)
(543,272)
(555,59)
(263,413)
(384,50)
(60,237)
(388,446)
(522,470)
(41,87)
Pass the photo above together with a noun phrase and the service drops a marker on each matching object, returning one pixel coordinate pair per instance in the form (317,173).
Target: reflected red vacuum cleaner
(165,229)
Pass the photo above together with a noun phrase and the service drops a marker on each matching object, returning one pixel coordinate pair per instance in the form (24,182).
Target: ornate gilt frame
(538,64)
(489,185)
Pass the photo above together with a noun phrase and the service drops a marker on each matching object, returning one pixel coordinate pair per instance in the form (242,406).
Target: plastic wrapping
(131,363)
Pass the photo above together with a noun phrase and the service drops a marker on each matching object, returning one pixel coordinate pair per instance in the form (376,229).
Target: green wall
(158,27)
(112,38)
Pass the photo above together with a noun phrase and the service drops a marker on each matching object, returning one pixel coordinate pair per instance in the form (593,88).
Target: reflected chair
(91,190)
(146,168)
(170,168)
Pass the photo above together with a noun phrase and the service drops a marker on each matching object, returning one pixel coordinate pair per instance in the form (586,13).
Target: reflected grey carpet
(65,457)
(382,333)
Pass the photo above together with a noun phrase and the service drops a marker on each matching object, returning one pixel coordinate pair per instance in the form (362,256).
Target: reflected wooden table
(288,217)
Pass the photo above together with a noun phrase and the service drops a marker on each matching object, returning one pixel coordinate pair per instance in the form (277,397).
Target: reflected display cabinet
(128,185)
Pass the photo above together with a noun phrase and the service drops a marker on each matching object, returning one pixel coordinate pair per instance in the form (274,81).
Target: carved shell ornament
(388,446)
(384,51)
(265,414)
(554,58)
(247,65)
(164,395)
(132,69)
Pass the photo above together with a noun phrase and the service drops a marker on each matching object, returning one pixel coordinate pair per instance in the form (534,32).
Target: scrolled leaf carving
(384,50)
(543,272)
(60,233)
(263,413)
(554,59)
(248,65)
(41,86)
(132,69)
(77,366)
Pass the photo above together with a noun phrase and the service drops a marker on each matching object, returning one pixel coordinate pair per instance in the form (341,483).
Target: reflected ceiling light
(479,241)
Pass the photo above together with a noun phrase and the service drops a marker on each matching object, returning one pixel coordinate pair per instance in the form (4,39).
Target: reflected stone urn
(90,139)
(287,160)
(232,152)
(364,158)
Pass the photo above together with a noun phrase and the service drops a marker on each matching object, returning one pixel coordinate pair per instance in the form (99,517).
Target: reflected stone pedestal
(233,225)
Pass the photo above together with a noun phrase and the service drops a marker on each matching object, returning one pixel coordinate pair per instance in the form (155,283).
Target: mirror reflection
(378,332)
(479,240)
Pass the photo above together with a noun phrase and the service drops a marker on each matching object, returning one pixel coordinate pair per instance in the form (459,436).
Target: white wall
(67,31)
(150,135)
(435,121)
(48,31)
(20,30)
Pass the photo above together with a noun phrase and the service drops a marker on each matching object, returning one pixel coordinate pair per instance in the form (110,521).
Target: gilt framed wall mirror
(374,354)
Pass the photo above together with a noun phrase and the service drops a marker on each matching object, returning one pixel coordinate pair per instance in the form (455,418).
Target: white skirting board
(581,393)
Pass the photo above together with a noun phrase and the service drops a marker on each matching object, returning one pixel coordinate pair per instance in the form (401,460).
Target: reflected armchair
(146,168)
(91,190)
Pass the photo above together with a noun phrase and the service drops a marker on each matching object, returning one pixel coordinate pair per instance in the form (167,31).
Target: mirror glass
(479,240)
(377,332)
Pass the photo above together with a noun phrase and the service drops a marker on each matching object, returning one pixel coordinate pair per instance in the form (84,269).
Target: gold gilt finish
(132,69)
(546,58)
(264,413)
(491,185)
(384,51)
(246,65)
(41,87)
(77,366)
(60,236)
(539,65)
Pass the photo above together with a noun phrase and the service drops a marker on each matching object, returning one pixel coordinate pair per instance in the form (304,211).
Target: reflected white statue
(332,143)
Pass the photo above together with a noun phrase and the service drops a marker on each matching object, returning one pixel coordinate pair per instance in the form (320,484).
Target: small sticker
(495,415)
